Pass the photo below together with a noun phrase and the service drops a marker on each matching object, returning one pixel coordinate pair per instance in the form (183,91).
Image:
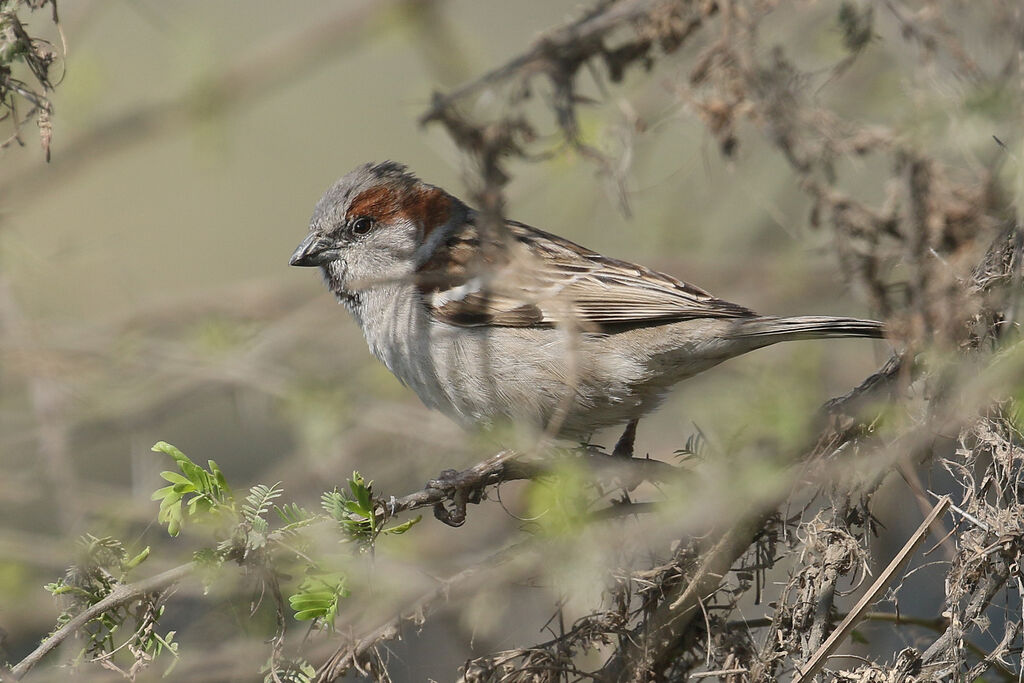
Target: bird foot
(462,489)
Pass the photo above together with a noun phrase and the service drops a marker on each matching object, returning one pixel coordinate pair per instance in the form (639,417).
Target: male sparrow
(520,325)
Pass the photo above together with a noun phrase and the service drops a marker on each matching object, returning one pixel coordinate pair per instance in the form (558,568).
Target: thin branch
(122,594)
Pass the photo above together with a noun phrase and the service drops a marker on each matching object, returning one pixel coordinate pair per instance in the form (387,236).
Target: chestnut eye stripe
(428,207)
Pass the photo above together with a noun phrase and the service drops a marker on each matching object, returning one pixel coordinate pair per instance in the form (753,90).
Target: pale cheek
(335,270)
(334,275)
(388,251)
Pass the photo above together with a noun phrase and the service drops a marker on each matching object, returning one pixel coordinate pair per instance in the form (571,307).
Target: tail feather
(772,330)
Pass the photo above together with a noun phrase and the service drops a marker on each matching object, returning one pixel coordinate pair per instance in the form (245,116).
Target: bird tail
(767,330)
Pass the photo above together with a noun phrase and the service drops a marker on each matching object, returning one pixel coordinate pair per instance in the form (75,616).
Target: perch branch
(464,487)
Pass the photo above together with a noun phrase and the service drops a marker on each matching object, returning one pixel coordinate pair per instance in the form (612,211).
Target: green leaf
(137,560)
(307,600)
(404,526)
(207,557)
(308,615)
(218,475)
(160,494)
(174,524)
(168,449)
(361,489)
(318,596)
(259,501)
(356,508)
(175,478)
(333,503)
(288,671)
(293,515)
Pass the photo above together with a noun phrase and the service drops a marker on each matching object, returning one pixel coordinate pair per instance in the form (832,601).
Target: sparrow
(516,324)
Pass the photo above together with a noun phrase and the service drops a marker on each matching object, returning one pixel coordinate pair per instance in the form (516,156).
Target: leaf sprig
(194,493)
(358,514)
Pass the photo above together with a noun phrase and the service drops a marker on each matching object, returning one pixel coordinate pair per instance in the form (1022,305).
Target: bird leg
(624,446)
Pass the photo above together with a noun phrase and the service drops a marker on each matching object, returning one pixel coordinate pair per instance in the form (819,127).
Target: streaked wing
(539,279)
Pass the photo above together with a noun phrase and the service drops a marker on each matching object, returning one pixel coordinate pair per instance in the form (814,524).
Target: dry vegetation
(935,248)
(25,80)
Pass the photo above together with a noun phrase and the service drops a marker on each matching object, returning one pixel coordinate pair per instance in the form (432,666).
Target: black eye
(362,225)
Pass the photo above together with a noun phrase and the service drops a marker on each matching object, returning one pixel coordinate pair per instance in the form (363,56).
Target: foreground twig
(354,654)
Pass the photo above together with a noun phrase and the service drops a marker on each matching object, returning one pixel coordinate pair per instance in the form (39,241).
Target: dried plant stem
(818,659)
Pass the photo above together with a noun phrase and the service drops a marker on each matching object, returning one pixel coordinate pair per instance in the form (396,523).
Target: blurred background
(145,293)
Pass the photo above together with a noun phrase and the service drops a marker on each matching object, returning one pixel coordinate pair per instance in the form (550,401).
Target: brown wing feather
(539,279)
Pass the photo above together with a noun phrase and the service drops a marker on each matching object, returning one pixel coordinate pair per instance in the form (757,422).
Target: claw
(454,513)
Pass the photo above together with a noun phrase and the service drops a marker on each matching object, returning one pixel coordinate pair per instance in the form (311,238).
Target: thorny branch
(456,488)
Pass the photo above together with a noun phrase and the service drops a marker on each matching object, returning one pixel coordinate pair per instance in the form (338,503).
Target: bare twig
(554,45)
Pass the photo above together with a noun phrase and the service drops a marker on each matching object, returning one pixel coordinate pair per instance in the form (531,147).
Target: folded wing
(532,278)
